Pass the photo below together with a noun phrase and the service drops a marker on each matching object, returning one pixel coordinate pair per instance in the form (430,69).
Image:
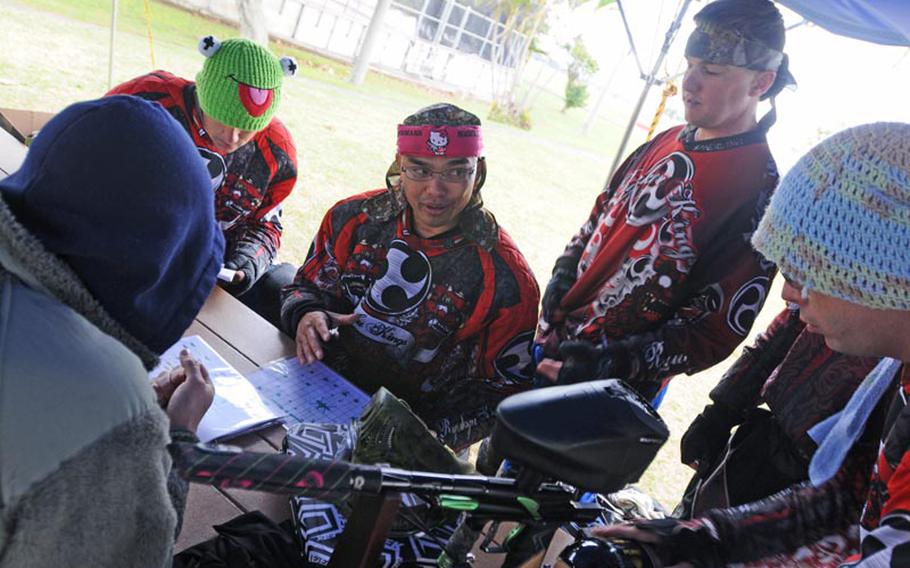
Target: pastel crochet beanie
(240,82)
(839,223)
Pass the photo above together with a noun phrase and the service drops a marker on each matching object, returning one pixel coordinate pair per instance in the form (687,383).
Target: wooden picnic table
(247,342)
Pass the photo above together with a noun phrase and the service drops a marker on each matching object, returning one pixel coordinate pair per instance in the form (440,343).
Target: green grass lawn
(541,183)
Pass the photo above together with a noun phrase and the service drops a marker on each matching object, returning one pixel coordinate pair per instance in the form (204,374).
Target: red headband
(430,141)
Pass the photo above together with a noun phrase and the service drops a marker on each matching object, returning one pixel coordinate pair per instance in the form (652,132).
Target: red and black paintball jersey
(803,382)
(249,184)
(807,516)
(665,270)
(793,372)
(885,522)
(446,323)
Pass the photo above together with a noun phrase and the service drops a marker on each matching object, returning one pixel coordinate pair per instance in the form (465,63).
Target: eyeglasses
(451,175)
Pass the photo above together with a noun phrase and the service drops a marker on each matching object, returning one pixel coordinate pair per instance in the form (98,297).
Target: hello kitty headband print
(444,140)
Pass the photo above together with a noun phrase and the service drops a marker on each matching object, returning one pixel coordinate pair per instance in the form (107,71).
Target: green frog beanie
(839,223)
(240,82)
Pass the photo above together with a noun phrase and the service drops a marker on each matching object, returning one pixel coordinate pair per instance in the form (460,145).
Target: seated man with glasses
(426,294)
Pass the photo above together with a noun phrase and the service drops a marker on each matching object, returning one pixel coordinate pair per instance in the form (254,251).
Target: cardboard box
(25,122)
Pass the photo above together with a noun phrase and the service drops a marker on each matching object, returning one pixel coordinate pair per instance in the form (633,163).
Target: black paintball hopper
(597,436)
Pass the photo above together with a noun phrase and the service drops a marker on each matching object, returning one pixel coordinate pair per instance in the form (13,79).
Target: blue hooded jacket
(117,190)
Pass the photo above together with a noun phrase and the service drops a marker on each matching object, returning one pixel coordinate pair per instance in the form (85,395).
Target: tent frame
(650,79)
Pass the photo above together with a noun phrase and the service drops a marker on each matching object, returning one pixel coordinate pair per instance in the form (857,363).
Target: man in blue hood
(108,249)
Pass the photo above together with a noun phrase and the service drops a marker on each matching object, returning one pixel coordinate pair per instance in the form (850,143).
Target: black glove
(249,272)
(562,280)
(685,541)
(582,361)
(708,434)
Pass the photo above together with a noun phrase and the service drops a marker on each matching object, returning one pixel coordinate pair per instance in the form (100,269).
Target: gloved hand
(546,373)
(582,361)
(708,434)
(244,267)
(562,280)
(694,541)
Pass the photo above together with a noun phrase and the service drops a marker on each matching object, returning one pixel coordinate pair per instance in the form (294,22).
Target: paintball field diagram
(308,393)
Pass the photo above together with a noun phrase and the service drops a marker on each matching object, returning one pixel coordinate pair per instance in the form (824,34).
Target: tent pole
(649,81)
(110,57)
(625,25)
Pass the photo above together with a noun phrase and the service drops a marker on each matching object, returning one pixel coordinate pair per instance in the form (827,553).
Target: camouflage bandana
(389,432)
(442,114)
(721,46)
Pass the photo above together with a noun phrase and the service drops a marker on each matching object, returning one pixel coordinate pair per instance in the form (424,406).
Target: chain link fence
(438,42)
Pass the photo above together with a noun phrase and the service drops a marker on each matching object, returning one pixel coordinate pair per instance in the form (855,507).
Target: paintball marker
(595,436)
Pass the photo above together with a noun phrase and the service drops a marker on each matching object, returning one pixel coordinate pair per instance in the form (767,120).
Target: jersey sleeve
(712,306)
(797,516)
(253,244)
(506,343)
(740,388)
(317,284)
(888,545)
(503,365)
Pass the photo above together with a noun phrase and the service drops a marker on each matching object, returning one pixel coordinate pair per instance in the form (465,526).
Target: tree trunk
(524,56)
(252,21)
(500,71)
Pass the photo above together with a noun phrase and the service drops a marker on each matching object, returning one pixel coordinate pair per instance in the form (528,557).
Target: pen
(539,380)
(537,353)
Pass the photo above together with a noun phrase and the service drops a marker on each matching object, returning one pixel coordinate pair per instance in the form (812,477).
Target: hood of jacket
(112,213)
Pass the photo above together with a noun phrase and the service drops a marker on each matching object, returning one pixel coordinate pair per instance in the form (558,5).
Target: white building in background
(441,42)
(445,44)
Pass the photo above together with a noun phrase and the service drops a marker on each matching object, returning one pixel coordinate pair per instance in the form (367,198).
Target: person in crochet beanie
(108,249)
(229,111)
(839,229)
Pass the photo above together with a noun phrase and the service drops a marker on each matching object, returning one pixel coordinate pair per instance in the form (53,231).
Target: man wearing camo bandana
(661,279)
(723,46)
(427,295)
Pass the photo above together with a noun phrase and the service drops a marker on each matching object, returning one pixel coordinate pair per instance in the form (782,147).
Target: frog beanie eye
(240,82)
(209,45)
(289,64)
